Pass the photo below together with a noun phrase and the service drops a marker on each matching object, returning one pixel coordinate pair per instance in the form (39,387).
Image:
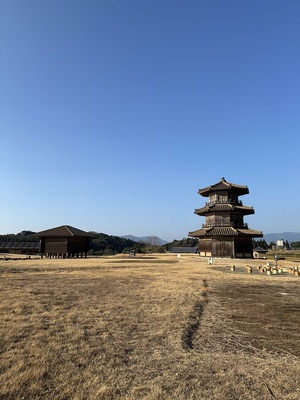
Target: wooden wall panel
(55,245)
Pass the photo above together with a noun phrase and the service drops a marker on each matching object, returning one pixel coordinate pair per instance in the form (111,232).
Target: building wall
(61,245)
(226,247)
(222,248)
(78,245)
(205,247)
(243,248)
(218,219)
(54,245)
(258,254)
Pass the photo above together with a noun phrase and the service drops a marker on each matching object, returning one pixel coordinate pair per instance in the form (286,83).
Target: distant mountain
(146,239)
(289,236)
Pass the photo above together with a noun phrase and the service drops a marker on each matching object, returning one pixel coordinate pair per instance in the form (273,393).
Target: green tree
(186,242)
(102,244)
(271,245)
(295,245)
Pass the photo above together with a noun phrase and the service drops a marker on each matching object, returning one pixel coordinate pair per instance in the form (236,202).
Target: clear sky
(114,113)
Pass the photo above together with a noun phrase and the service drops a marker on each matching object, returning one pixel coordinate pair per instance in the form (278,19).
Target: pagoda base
(232,247)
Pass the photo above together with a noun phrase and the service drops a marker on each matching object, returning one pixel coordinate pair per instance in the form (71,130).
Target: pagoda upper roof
(217,207)
(223,185)
(224,231)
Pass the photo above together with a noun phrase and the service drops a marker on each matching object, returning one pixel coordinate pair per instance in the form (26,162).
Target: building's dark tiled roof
(19,245)
(260,250)
(222,231)
(214,231)
(63,231)
(223,185)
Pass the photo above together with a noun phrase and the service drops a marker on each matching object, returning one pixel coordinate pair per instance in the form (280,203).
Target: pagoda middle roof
(215,207)
(223,185)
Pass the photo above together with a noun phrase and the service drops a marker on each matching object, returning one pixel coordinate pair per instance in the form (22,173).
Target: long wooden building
(26,247)
(224,233)
(63,241)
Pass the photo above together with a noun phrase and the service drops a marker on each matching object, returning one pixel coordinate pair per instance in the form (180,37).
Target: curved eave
(250,232)
(198,233)
(245,210)
(202,211)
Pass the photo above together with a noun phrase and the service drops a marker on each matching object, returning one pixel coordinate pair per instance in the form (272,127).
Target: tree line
(24,236)
(264,245)
(103,244)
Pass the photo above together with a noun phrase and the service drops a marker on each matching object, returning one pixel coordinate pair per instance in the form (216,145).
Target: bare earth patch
(157,327)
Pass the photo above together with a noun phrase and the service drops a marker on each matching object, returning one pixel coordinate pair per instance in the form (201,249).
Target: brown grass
(156,327)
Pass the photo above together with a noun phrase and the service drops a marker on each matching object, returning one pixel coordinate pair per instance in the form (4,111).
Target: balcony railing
(232,224)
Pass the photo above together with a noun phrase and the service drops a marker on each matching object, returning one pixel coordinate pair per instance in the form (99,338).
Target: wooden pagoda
(224,233)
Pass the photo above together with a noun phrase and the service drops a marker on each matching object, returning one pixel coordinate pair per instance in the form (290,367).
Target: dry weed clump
(150,328)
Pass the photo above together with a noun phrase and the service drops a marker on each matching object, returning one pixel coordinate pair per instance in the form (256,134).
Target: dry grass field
(151,327)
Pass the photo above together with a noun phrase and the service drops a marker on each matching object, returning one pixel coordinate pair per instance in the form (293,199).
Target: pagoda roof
(63,231)
(223,185)
(216,207)
(225,231)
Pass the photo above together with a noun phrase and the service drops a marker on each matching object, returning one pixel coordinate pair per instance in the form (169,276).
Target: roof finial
(223,179)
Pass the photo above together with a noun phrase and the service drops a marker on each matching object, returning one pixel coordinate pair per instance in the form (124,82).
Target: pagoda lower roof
(220,207)
(223,185)
(224,231)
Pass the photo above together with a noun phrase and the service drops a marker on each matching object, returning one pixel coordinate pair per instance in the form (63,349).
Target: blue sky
(114,113)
